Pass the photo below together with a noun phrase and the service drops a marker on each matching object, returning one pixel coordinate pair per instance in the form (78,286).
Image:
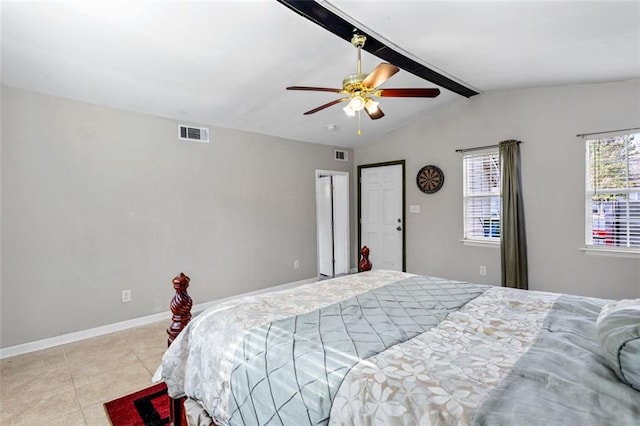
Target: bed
(392,348)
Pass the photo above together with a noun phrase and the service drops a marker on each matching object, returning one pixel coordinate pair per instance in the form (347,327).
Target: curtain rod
(581,135)
(478,148)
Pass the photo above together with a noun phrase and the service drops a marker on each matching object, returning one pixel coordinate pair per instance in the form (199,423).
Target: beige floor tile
(99,355)
(78,351)
(152,363)
(94,415)
(159,328)
(72,419)
(73,381)
(94,344)
(105,362)
(38,390)
(155,330)
(105,386)
(47,358)
(31,406)
(147,340)
(36,380)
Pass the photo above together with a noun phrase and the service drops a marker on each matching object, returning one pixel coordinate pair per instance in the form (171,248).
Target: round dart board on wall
(430,179)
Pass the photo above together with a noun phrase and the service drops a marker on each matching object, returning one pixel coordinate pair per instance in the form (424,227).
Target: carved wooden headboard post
(180,307)
(364,264)
(181,310)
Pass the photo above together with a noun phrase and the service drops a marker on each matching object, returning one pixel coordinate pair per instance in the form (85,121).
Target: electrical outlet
(483,270)
(296,264)
(126,296)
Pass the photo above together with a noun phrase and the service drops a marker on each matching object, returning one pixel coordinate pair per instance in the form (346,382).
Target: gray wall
(97,200)
(546,121)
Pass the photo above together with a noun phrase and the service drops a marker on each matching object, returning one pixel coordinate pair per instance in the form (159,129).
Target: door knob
(399,228)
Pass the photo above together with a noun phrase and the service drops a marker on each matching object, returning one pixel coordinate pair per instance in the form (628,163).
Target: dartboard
(430,179)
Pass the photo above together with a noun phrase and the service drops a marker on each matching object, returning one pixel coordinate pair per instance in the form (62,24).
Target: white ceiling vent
(190,133)
(341,155)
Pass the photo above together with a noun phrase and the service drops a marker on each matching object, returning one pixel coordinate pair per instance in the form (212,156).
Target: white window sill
(612,252)
(481,243)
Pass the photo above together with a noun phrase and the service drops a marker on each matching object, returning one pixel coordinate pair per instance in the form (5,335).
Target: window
(481,193)
(613,192)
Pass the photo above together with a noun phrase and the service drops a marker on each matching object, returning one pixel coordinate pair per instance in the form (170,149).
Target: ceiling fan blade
(314,89)
(380,74)
(374,113)
(327,105)
(408,93)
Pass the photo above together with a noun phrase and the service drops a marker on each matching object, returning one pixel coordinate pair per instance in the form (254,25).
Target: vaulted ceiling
(227,63)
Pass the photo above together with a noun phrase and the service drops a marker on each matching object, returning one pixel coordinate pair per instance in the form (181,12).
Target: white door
(324,221)
(341,223)
(382,215)
(332,221)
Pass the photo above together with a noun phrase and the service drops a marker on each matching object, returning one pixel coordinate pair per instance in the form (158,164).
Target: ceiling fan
(360,89)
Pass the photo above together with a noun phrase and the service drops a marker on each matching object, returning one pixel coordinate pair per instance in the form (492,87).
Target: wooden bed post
(180,307)
(364,264)
(181,310)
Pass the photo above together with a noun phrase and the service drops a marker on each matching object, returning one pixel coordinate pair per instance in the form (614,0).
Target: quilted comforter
(376,348)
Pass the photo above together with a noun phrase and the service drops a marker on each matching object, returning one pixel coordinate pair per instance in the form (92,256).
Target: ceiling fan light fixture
(350,111)
(357,103)
(371,105)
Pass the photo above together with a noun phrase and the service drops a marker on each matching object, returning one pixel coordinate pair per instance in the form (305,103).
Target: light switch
(414,208)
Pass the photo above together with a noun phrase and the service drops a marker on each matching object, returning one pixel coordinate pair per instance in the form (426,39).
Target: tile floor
(68,384)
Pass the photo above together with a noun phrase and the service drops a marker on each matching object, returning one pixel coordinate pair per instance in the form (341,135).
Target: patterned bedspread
(432,370)
(199,362)
(442,376)
(562,376)
(289,371)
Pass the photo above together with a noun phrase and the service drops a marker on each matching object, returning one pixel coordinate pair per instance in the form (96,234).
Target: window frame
(627,191)
(468,238)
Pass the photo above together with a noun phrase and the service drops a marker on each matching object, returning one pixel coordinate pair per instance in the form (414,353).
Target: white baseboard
(51,342)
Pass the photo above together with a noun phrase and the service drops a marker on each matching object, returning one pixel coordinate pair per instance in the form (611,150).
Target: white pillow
(618,330)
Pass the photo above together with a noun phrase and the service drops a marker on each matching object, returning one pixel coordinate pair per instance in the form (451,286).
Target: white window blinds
(613,192)
(481,195)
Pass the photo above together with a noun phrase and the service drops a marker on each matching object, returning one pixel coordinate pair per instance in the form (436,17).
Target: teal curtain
(513,238)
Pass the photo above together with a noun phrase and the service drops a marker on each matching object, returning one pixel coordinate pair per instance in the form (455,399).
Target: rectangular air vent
(341,155)
(190,133)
